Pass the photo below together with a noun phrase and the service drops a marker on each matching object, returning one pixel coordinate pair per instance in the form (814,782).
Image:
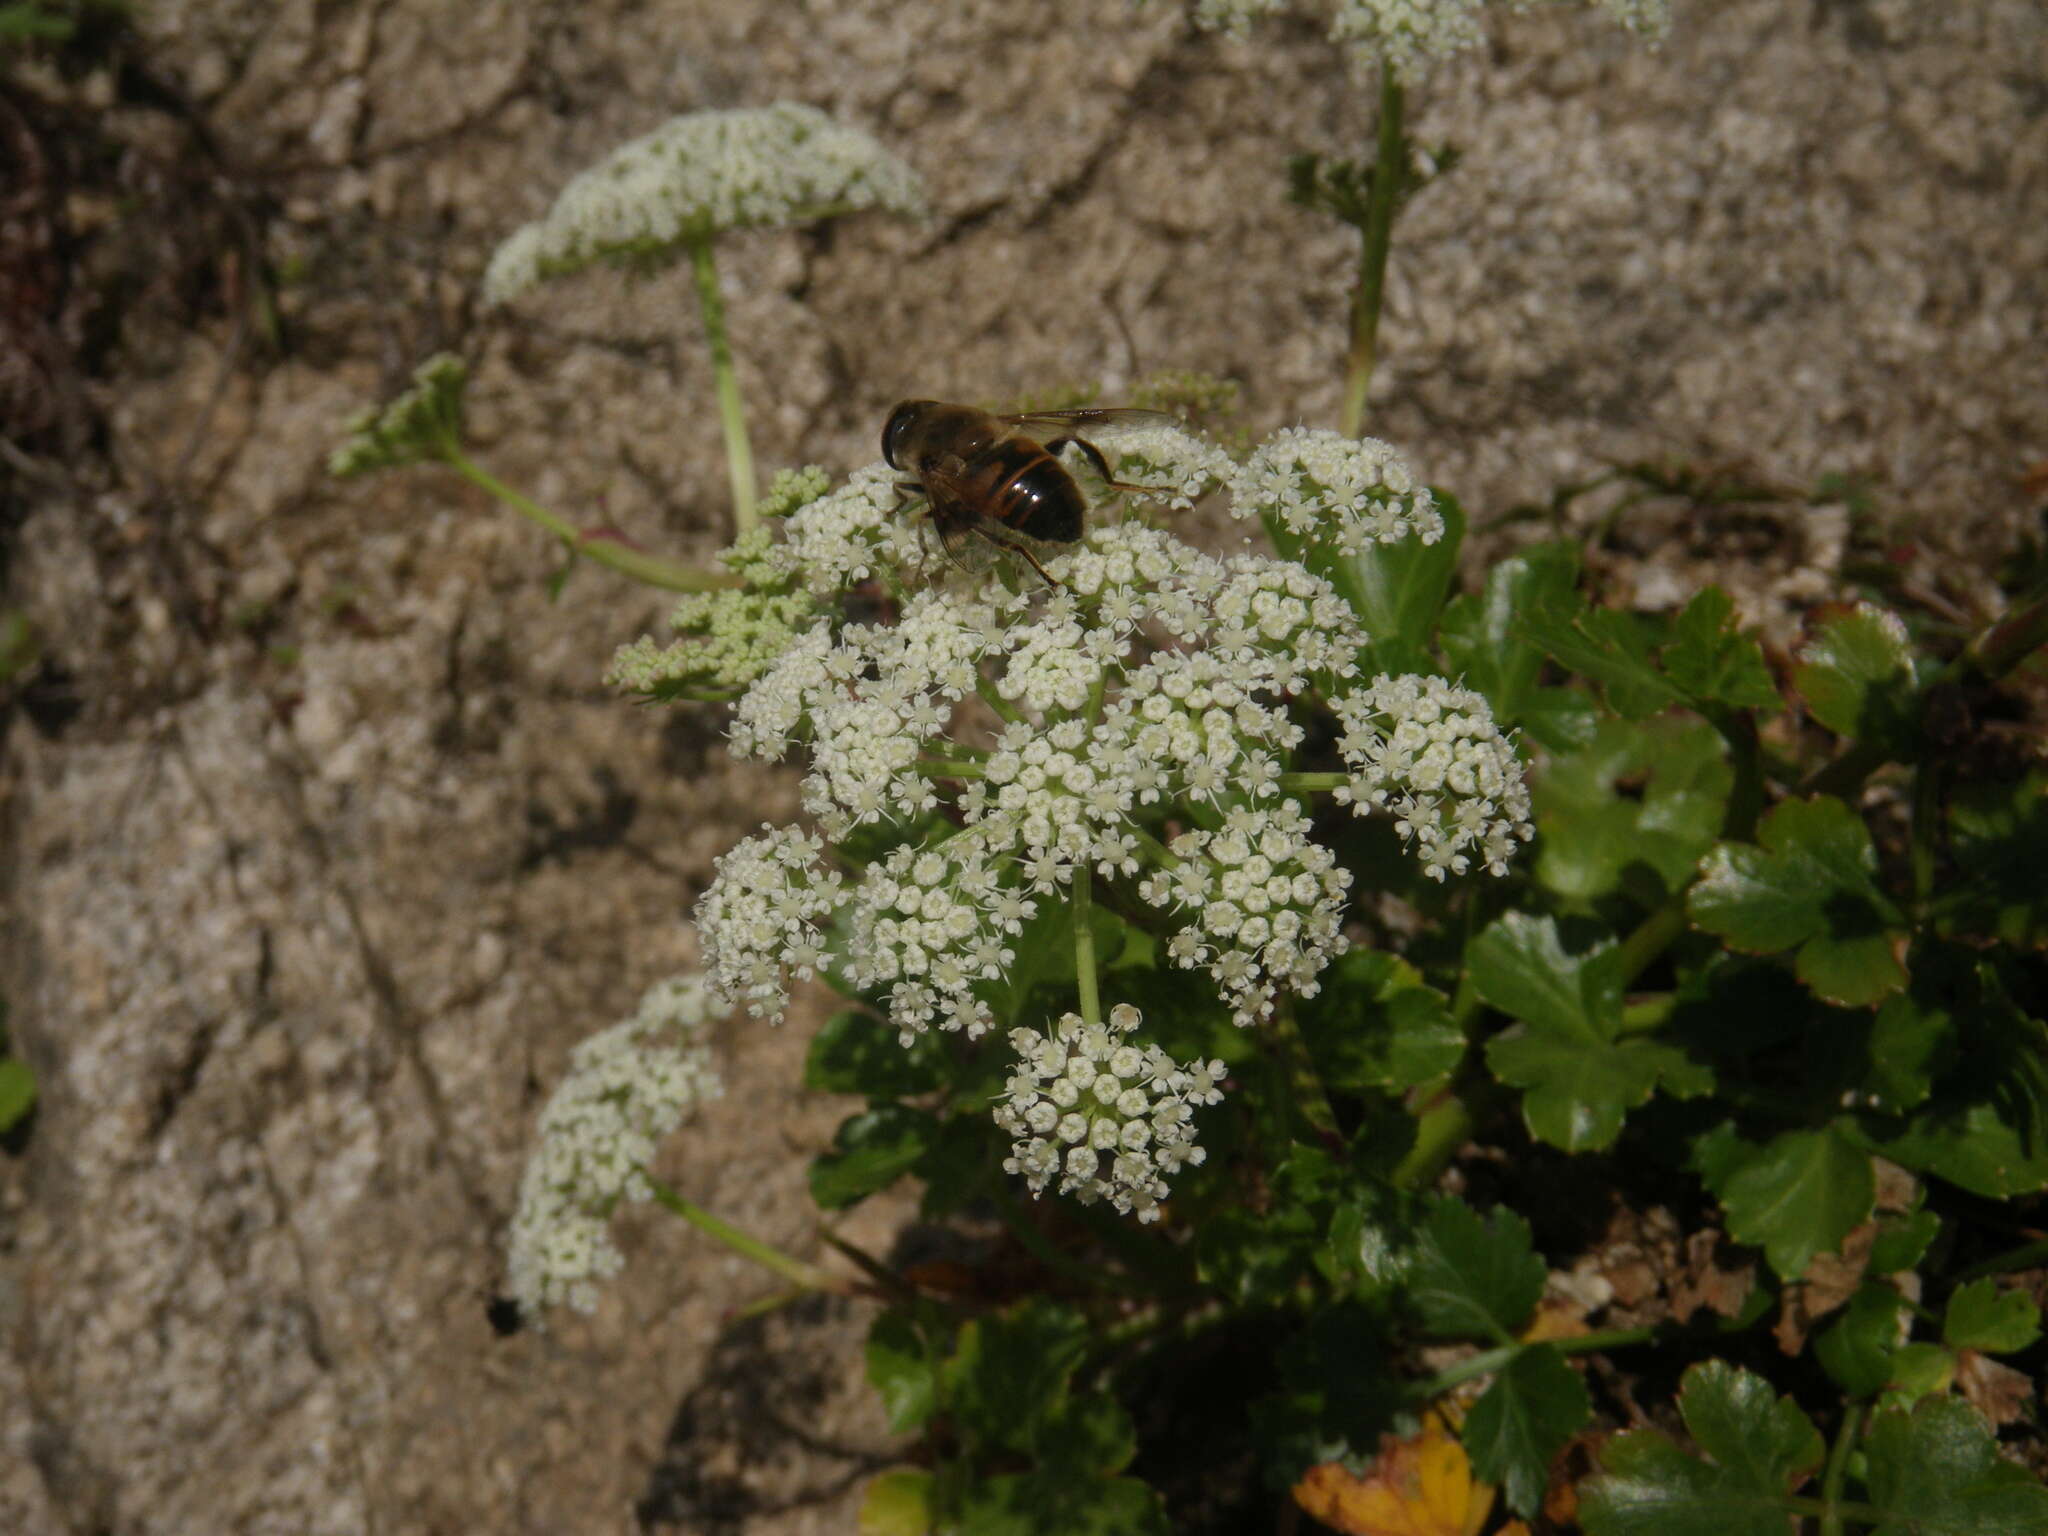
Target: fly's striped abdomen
(1031,492)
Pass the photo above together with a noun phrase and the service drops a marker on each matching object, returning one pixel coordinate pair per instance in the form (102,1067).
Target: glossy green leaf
(1088,1436)
(856,1052)
(901,1371)
(1985,1125)
(1579,1078)
(1795,1196)
(1902,1241)
(1999,835)
(1937,1472)
(1376,1024)
(1996,1322)
(1757,1450)
(1857,679)
(1523,1420)
(1613,649)
(1007,1378)
(1478,632)
(1713,662)
(1472,1278)
(17,1092)
(1649,795)
(1810,884)
(1856,1346)
(898,1502)
(870,1152)
(1398,590)
(1056,1504)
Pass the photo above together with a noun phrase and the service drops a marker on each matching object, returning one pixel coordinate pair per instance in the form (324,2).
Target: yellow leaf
(1420,1486)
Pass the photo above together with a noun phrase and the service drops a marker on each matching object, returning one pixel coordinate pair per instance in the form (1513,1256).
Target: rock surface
(341,846)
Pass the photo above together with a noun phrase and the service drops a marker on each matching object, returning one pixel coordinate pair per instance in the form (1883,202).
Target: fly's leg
(1094,456)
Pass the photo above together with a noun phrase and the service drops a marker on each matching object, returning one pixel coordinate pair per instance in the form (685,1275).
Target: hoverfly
(989,486)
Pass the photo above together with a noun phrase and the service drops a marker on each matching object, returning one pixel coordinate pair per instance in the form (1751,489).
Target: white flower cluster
(1429,752)
(1159,675)
(1176,467)
(1350,491)
(1412,34)
(628,1086)
(699,174)
(1266,901)
(761,919)
(1112,1121)
(850,534)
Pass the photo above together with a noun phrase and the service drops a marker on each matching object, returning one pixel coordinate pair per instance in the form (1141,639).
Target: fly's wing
(1096,418)
(963,532)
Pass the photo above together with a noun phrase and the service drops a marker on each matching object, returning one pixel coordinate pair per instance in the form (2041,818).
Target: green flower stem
(739,453)
(1652,936)
(1005,710)
(1306,1084)
(1389,179)
(1491,1360)
(1084,944)
(2009,642)
(1439,1131)
(624,559)
(1312,783)
(805,1276)
(1155,850)
(949,768)
(1737,727)
(1840,1509)
(2026,1256)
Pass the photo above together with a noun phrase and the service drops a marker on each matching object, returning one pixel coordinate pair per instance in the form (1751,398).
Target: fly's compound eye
(896,430)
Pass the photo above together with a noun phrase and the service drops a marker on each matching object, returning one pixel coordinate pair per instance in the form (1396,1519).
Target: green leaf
(1902,1241)
(1857,679)
(1610,648)
(901,1371)
(899,1502)
(1375,1024)
(1985,1125)
(1007,1378)
(1937,1472)
(1811,884)
(1580,1080)
(1056,1504)
(1918,1370)
(1647,796)
(17,1092)
(1999,834)
(1522,1421)
(870,1152)
(1856,1347)
(858,1053)
(1088,1436)
(1759,1450)
(1982,1317)
(1794,1197)
(1474,1279)
(1478,631)
(1713,662)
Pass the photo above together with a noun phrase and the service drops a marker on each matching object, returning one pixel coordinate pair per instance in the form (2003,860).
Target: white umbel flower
(763,918)
(1111,1120)
(1428,753)
(1413,34)
(695,176)
(1349,491)
(627,1087)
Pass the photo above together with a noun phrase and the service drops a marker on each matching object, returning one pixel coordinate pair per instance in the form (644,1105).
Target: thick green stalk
(1084,945)
(623,558)
(739,452)
(1389,180)
(805,1276)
